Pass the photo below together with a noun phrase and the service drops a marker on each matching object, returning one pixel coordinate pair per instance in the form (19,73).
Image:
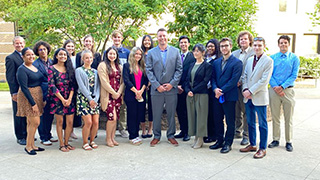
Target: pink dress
(114,78)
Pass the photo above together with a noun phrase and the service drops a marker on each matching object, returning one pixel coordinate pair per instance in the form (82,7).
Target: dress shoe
(249,148)
(225,149)
(289,147)
(154,142)
(186,137)
(22,141)
(180,135)
(32,152)
(217,145)
(39,149)
(208,140)
(260,154)
(173,141)
(273,144)
(199,143)
(244,141)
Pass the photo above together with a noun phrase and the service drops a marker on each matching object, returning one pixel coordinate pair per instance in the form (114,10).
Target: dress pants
(150,117)
(45,124)
(122,122)
(241,118)
(210,126)
(288,103)
(182,112)
(158,102)
(251,110)
(219,111)
(135,114)
(19,123)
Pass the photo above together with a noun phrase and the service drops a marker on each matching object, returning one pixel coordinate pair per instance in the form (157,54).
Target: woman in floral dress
(61,80)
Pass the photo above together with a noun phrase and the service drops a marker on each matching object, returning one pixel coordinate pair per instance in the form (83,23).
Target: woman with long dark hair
(61,78)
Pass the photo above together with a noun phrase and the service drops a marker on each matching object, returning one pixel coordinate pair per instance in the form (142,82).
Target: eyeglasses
(43,49)
(210,46)
(258,39)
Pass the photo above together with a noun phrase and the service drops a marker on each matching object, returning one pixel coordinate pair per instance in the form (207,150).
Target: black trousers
(182,112)
(135,114)
(19,123)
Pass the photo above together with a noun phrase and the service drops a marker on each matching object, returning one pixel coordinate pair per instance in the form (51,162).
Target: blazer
(227,78)
(106,89)
(201,79)
(159,74)
(188,60)
(249,54)
(41,67)
(13,61)
(83,84)
(95,63)
(129,82)
(257,80)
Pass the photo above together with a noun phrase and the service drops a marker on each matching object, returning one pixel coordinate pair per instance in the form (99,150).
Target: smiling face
(112,55)
(184,45)
(211,48)
(225,48)
(147,42)
(62,56)
(162,38)
(28,57)
(244,41)
(19,44)
(284,45)
(43,52)
(258,47)
(138,55)
(70,48)
(87,59)
(198,54)
(117,39)
(88,43)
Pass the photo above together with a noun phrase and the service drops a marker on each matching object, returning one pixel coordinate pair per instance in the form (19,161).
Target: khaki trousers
(197,107)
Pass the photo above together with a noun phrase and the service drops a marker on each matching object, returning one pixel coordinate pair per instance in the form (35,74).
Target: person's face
(138,55)
(184,45)
(284,45)
(211,48)
(198,54)
(88,43)
(19,44)
(162,38)
(28,57)
(112,55)
(87,59)
(244,41)
(43,52)
(62,56)
(258,47)
(117,39)
(147,42)
(225,48)
(70,48)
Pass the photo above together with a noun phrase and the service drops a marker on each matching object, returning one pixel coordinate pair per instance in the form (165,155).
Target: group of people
(204,87)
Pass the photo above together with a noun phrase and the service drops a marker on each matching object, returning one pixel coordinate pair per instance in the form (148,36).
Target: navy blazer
(227,78)
(129,81)
(201,79)
(13,61)
(41,67)
(188,60)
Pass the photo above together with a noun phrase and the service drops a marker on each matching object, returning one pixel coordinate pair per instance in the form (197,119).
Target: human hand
(93,104)
(218,92)
(190,93)
(35,108)
(14,97)
(180,90)
(161,89)
(167,86)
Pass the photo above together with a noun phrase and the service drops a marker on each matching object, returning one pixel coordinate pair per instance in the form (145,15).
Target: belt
(290,87)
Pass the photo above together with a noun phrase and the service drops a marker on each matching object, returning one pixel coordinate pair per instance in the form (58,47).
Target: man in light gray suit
(245,41)
(164,69)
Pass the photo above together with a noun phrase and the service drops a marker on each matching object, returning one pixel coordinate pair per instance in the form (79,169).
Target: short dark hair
(200,47)
(242,33)
(38,44)
(161,29)
(24,50)
(226,39)
(286,37)
(184,37)
(67,42)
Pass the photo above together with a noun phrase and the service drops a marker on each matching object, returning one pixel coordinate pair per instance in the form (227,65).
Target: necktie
(182,57)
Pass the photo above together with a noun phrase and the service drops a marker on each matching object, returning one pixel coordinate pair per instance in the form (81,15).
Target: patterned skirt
(83,106)
(25,108)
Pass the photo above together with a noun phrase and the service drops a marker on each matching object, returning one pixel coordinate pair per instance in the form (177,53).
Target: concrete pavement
(165,161)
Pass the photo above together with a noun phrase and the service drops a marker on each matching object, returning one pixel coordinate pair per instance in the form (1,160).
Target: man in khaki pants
(285,71)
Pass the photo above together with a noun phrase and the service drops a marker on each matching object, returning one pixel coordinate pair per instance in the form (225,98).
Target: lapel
(229,61)
(186,58)
(200,67)
(219,73)
(167,57)
(258,65)
(18,57)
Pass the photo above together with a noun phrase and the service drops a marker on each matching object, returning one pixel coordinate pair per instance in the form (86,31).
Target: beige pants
(288,103)
(122,123)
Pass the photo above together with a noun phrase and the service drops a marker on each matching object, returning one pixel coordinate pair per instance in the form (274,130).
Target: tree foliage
(56,20)
(315,16)
(202,20)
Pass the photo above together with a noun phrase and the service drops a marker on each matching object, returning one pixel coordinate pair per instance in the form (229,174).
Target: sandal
(86,147)
(70,147)
(136,141)
(63,149)
(93,145)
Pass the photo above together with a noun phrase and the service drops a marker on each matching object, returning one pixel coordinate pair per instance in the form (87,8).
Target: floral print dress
(59,82)
(115,78)
(83,105)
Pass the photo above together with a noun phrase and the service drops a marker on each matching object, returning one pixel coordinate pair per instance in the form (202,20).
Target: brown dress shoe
(260,154)
(173,141)
(249,148)
(154,142)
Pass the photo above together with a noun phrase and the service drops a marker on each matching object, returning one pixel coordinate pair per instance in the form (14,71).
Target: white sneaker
(46,143)
(54,139)
(124,133)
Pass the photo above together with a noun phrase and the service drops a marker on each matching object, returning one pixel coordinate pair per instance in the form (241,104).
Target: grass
(4,86)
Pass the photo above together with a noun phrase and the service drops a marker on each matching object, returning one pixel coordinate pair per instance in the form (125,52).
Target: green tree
(57,20)
(202,20)
(315,16)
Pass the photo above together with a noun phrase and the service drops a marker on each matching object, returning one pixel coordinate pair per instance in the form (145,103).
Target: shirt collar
(245,51)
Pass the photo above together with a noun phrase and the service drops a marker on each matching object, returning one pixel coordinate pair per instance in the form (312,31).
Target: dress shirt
(164,56)
(243,54)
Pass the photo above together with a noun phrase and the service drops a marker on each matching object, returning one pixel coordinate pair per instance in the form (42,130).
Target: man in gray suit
(164,69)
(245,41)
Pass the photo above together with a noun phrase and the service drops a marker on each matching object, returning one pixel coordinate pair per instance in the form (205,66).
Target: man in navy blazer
(164,69)
(226,74)
(13,61)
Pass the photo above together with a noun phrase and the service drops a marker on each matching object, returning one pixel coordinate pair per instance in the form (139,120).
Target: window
(311,43)
(292,41)
(290,6)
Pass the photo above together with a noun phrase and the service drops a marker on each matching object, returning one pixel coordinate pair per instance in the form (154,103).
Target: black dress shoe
(32,152)
(225,149)
(208,140)
(289,147)
(186,137)
(273,144)
(39,149)
(217,145)
(22,142)
(180,135)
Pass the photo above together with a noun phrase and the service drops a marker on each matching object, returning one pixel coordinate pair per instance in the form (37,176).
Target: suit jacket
(41,67)
(13,61)
(227,78)
(201,79)
(129,81)
(95,63)
(105,87)
(257,80)
(159,74)
(249,54)
(188,60)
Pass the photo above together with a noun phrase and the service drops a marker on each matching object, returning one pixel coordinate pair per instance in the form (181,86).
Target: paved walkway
(165,161)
